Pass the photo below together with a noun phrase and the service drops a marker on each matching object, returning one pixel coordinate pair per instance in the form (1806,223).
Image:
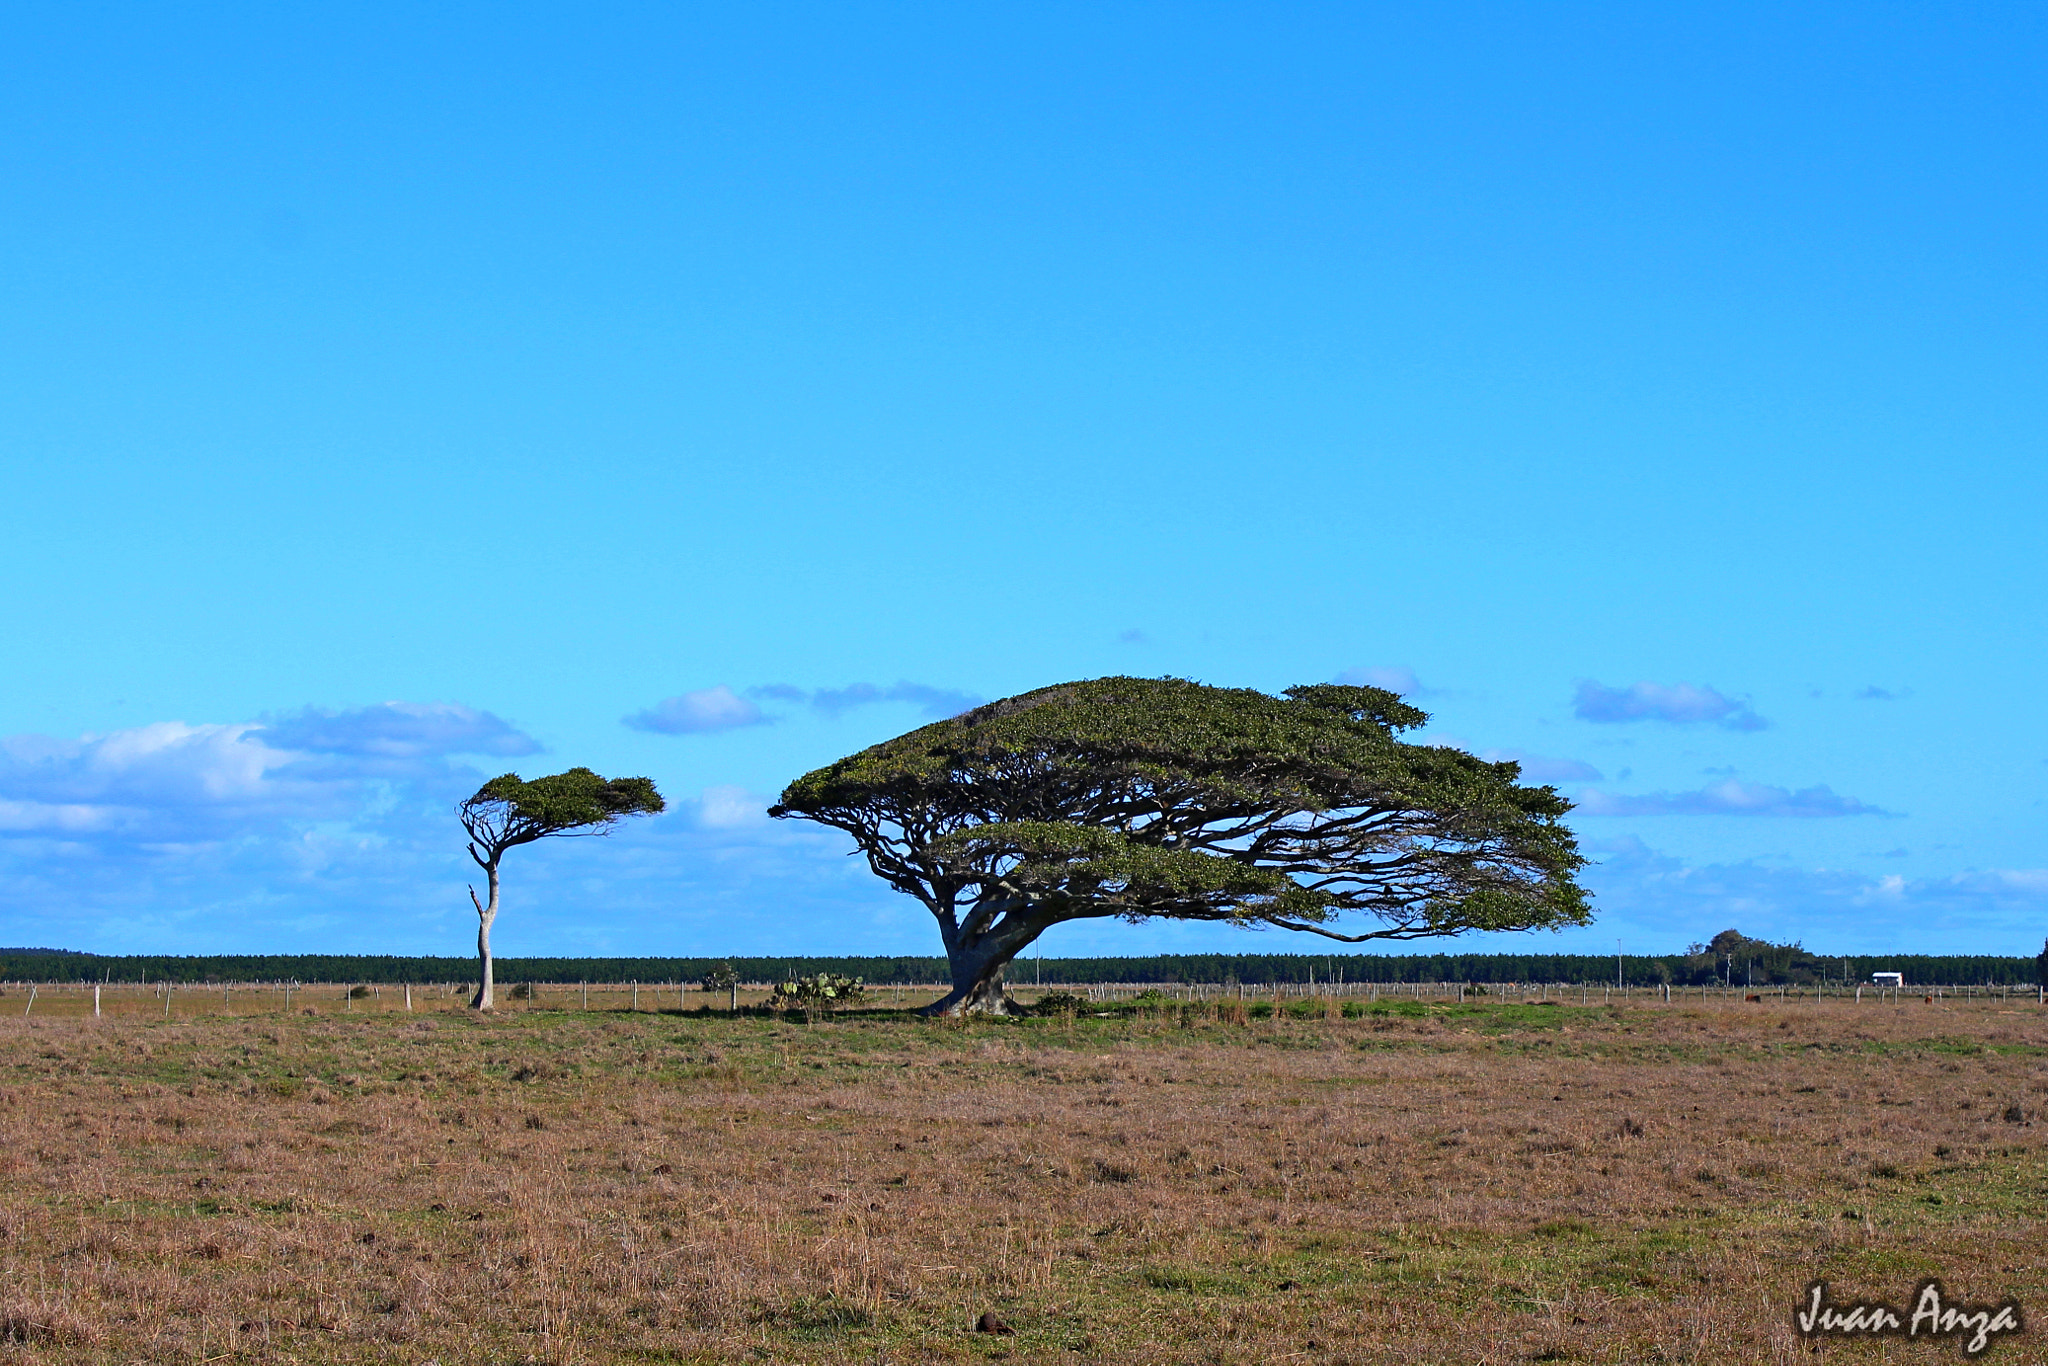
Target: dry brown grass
(1485,1183)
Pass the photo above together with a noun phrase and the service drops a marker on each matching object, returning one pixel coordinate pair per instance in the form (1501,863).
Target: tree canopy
(1733,956)
(1143,798)
(509,810)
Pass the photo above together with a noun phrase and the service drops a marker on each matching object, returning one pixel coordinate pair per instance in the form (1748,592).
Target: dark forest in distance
(1761,964)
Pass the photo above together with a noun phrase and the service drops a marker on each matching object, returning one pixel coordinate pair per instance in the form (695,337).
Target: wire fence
(177,1000)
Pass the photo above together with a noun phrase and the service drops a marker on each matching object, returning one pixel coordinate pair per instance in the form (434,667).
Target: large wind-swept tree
(509,811)
(1142,798)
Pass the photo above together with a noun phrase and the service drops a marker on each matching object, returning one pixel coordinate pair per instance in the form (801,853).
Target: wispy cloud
(1394,678)
(173,783)
(1541,768)
(1873,693)
(933,702)
(163,783)
(1731,798)
(2029,884)
(1677,703)
(720,708)
(317,827)
(699,712)
(1836,909)
(397,730)
(727,807)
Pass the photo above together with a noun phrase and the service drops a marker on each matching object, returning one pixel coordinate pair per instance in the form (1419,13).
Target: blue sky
(396,397)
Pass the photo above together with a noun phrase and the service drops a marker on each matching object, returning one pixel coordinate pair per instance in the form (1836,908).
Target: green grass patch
(1189,1280)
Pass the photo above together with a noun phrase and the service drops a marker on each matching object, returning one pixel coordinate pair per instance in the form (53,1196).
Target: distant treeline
(1751,962)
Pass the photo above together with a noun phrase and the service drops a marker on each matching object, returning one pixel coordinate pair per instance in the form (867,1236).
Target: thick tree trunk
(977,974)
(485,914)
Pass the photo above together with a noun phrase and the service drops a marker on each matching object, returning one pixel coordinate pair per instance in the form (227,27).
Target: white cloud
(937,703)
(149,791)
(2000,883)
(398,730)
(71,817)
(175,783)
(1677,703)
(730,808)
(1540,768)
(695,713)
(1832,909)
(176,837)
(720,708)
(1731,798)
(164,765)
(217,834)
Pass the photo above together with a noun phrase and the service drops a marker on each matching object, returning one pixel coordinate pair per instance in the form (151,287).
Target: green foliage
(820,991)
(718,977)
(1733,957)
(1060,1003)
(564,801)
(1164,797)
(509,810)
(2041,968)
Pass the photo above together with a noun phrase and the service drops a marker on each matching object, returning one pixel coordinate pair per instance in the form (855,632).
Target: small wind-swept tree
(721,977)
(1163,798)
(509,811)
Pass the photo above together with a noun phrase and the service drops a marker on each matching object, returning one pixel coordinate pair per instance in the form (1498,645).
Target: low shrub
(820,991)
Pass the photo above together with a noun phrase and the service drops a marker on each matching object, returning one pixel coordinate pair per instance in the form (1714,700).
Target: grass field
(1426,1182)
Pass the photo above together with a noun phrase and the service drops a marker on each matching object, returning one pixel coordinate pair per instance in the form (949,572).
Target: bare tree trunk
(485,914)
(977,984)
